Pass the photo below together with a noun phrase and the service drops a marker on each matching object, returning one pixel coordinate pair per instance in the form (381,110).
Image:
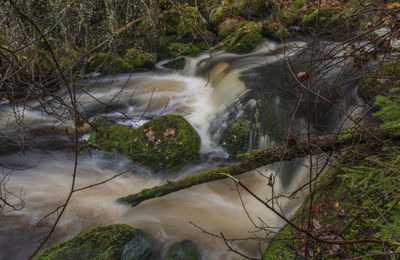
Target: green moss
(236,139)
(278,248)
(379,81)
(166,142)
(217,15)
(228,26)
(108,63)
(140,59)
(179,49)
(140,247)
(187,25)
(340,206)
(176,64)
(99,243)
(274,30)
(184,250)
(244,39)
(389,110)
(112,138)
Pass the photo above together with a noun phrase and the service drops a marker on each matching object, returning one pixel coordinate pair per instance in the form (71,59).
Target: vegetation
(352,210)
(98,243)
(184,250)
(167,142)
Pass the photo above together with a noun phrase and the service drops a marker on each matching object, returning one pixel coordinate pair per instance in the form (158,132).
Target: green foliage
(184,250)
(166,142)
(99,243)
(342,202)
(380,81)
(389,110)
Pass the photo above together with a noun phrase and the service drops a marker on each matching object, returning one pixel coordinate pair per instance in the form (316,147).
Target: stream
(211,93)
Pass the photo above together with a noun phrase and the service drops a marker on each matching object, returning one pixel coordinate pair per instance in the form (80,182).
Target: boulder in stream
(166,142)
(106,242)
(184,250)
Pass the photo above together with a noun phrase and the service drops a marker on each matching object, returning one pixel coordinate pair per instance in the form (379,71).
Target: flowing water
(211,93)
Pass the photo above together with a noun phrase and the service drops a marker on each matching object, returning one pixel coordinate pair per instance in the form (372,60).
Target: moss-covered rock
(176,64)
(274,30)
(235,140)
(180,49)
(217,15)
(108,63)
(166,142)
(98,243)
(244,39)
(140,247)
(140,59)
(187,25)
(184,250)
(228,26)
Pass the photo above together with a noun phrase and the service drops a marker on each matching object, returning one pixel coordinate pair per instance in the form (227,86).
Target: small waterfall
(212,92)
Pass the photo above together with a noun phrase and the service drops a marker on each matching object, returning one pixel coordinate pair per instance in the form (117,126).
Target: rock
(228,26)
(184,250)
(244,39)
(140,59)
(217,15)
(141,247)
(235,140)
(108,63)
(98,243)
(273,30)
(166,142)
(179,49)
(176,64)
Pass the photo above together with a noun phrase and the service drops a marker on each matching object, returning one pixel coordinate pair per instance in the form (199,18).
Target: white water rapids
(215,207)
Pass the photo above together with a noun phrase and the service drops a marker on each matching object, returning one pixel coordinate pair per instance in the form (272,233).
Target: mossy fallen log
(258,158)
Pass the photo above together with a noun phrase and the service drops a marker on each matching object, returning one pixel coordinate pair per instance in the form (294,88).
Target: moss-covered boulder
(228,26)
(140,59)
(235,140)
(98,243)
(244,39)
(184,250)
(274,30)
(140,247)
(176,63)
(187,25)
(166,142)
(180,49)
(108,63)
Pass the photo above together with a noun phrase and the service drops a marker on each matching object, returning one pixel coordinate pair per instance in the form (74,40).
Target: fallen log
(258,158)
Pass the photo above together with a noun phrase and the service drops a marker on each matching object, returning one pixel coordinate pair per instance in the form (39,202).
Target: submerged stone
(184,250)
(166,142)
(99,243)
